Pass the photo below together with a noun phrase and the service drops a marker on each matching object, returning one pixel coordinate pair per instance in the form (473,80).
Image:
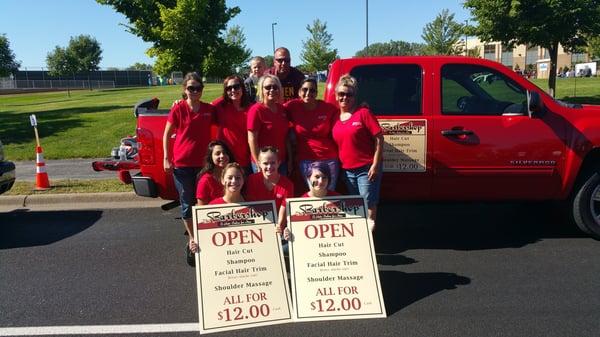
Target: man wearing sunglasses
(290,77)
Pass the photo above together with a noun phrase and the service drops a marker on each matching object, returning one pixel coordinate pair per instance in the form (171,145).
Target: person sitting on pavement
(232,179)
(209,179)
(318,176)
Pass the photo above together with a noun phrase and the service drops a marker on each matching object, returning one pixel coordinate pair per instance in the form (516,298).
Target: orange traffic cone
(41,177)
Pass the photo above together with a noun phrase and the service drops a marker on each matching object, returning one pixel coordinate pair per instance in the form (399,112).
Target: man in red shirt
(290,77)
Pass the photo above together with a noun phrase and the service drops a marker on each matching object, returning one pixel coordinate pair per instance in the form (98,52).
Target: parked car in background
(7,172)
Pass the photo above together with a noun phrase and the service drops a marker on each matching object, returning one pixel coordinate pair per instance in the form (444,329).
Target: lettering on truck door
(486,145)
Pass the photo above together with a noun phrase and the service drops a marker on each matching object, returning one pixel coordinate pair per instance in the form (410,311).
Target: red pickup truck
(455,128)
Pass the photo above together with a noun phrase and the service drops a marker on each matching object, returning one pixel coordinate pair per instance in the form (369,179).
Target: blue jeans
(357,182)
(185,183)
(282,168)
(334,168)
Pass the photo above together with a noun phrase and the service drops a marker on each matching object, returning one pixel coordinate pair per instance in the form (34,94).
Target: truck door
(486,145)
(394,92)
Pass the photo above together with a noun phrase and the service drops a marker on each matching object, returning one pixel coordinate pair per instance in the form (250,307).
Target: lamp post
(367,28)
(273,35)
(466,46)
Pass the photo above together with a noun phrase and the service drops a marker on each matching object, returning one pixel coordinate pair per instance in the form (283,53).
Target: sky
(35,27)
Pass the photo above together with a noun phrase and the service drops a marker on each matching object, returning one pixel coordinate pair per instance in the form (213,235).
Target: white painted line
(99,329)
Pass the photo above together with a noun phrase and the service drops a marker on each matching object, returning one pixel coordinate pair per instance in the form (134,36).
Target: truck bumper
(144,186)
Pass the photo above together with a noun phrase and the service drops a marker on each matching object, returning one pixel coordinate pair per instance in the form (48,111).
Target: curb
(79,200)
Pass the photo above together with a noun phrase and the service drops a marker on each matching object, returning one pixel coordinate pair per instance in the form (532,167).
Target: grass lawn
(575,90)
(86,125)
(71,186)
(89,123)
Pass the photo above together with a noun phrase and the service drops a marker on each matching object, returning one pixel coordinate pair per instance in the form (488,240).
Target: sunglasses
(309,90)
(271,87)
(192,88)
(342,94)
(236,86)
(281,60)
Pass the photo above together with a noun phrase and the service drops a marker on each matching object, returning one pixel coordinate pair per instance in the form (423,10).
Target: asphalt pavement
(447,269)
(63,169)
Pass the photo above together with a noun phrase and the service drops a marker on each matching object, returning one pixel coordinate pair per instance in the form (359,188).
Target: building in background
(531,60)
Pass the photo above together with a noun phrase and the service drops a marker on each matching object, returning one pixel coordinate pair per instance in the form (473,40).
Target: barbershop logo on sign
(243,216)
(407,128)
(338,209)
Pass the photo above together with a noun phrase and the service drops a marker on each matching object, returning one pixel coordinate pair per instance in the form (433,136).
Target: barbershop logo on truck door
(405,145)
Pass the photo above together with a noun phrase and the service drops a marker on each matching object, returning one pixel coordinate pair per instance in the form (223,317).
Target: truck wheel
(586,206)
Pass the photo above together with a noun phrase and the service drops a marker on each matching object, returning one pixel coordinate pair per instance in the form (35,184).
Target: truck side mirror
(535,105)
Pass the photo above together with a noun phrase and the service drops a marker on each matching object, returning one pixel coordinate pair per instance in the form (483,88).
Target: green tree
(229,57)
(443,34)
(316,51)
(269,60)
(545,23)
(140,66)
(183,33)
(393,48)
(594,46)
(8,64)
(83,54)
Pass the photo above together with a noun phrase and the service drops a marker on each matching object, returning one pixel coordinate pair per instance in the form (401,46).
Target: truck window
(390,89)
(477,90)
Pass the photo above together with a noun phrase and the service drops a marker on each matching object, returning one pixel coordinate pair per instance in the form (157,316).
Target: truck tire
(586,206)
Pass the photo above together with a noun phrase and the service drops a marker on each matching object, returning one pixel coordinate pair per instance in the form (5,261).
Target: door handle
(457,133)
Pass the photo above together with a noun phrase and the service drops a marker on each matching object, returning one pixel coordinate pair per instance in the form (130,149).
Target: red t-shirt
(257,191)
(329,194)
(208,188)
(192,130)
(218,201)
(233,130)
(272,127)
(355,138)
(313,129)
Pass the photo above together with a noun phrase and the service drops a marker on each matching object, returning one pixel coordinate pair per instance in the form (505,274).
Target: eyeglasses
(281,60)
(236,86)
(342,94)
(271,87)
(309,90)
(192,88)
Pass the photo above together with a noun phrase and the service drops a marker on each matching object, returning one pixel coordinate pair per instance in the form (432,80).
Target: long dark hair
(245,98)
(209,165)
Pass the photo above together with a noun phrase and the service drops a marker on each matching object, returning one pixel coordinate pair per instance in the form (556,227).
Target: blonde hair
(261,81)
(349,82)
(259,59)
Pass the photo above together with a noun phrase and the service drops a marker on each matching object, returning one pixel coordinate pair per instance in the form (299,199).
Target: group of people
(268,126)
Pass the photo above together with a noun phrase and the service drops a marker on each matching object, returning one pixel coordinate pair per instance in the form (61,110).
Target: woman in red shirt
(232,179)
(312,120)
(209,179)
(318,176)
(269,184)
(190,119)
(232,114)
(268,123)
(360,143)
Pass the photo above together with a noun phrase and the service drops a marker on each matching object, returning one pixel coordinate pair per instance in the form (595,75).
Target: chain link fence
(7,83)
